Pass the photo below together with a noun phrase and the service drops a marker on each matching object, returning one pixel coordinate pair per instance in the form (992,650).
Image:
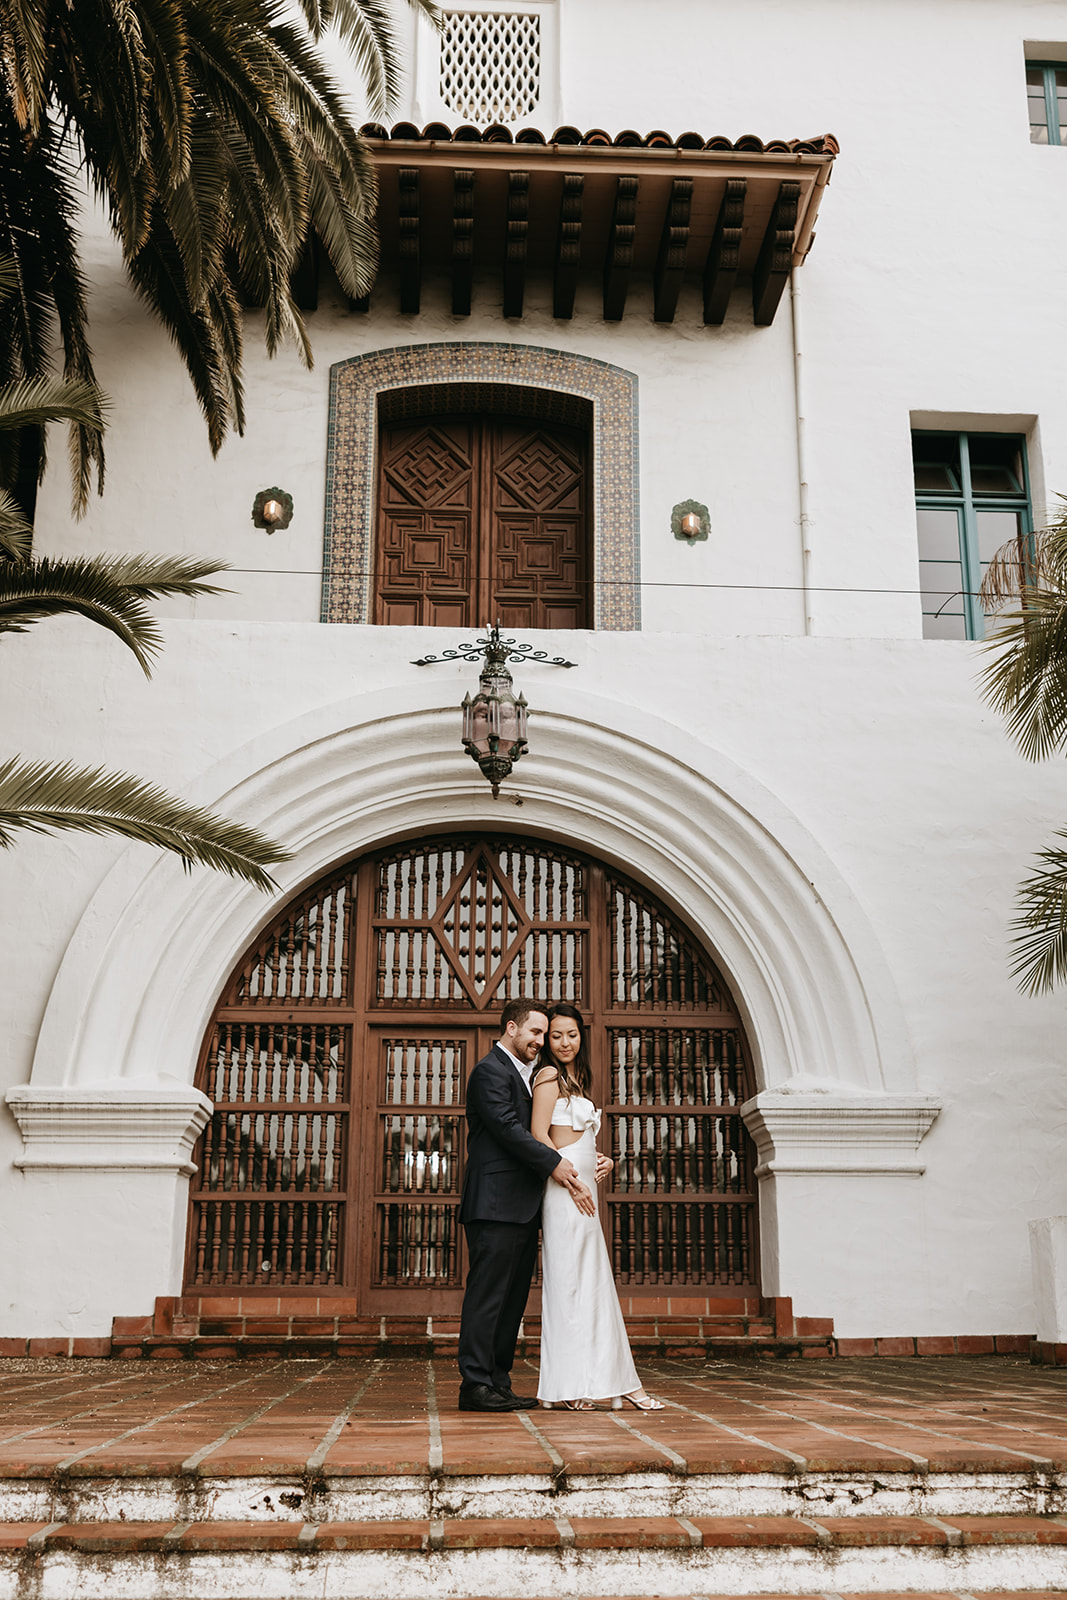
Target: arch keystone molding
(112,1082)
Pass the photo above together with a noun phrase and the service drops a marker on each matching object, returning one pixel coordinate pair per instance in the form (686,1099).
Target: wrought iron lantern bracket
(494,721)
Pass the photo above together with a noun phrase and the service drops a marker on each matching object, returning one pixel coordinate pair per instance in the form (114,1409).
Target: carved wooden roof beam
(673,250)
(618,264)
(569,248)
(515,243)
(462,240)
(776,255)
(409,251)
(724,257)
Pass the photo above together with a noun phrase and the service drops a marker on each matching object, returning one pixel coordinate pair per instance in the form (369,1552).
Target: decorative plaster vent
(836,1133)
(124,1126)
(491,65)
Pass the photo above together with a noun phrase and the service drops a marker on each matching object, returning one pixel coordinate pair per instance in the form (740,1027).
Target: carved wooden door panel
(479,520)
(338,1058)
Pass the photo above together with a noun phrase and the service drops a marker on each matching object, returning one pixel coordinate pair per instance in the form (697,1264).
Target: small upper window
(971,496)
(490,65)
(1046,93)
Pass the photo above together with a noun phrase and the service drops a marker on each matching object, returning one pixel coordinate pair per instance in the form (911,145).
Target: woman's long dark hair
(578,1077)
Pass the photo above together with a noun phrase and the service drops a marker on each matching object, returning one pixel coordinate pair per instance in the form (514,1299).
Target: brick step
(215,1327)
(555,1556)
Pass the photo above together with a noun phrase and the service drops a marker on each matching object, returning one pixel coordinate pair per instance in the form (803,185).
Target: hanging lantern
(494,722)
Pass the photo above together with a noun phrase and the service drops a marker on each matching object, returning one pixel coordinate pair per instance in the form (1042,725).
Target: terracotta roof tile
(440,133)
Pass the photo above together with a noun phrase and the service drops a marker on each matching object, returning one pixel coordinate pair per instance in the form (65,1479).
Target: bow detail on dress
(584,1114)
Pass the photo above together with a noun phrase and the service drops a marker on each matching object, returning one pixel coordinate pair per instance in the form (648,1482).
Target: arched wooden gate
(338,1055)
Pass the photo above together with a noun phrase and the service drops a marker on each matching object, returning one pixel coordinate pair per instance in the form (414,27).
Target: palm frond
(16,531)
(27,60)
(1039,945)
(36,402)
(1026,681)
(45,797)
(1025,561)
(37,235)
(166,45)
(367,28)
(108,591)
(157,274)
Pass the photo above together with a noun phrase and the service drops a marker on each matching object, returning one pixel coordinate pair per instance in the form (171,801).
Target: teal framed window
(972,494)
(1046,94)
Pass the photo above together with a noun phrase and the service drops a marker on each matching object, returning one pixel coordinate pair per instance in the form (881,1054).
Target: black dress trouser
(501,1258)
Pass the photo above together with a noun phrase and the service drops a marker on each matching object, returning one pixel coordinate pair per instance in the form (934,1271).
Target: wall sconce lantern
(272,508)
(690,521)
(494,720)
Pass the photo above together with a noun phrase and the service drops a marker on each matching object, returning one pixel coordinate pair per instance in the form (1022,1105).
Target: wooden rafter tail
(515,243)
(569,249)
(462,240)
(724,257)
(618,264)
(673,250)
(776,255)
(409,251)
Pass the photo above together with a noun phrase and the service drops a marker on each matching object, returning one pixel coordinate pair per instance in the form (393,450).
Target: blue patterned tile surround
(355,384)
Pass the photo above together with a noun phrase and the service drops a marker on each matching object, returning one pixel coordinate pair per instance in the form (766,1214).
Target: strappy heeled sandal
(569,1405)
(647,1402)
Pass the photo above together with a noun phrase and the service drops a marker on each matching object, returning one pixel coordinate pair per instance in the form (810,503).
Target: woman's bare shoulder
(545,1075)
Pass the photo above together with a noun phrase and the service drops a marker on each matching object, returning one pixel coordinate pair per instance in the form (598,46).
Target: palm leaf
(1039,946)
(108,591)
(367,28)
(36,402)
(26,53)
(166,44)
(1025,561)
(45,797)
(16,531)
(1027,679)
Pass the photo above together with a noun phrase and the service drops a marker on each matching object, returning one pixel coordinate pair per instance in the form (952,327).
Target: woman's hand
(604,1165)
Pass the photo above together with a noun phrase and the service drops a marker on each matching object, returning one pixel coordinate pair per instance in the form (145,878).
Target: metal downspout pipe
(803,516)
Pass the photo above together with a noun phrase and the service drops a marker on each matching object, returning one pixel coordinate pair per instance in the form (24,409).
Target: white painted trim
(123,1127)
(145,965)
(827,1132)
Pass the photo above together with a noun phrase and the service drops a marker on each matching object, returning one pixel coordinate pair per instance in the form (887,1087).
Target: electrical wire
(636,583)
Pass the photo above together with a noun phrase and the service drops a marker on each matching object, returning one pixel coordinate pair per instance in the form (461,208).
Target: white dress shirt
(525,1069)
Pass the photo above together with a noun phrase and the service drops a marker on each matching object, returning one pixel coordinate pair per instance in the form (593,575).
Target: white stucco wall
(862,755)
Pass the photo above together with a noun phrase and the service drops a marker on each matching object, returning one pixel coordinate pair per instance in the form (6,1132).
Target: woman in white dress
(584,1348)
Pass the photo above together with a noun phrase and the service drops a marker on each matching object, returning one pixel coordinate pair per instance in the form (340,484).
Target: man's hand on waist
(566,1173)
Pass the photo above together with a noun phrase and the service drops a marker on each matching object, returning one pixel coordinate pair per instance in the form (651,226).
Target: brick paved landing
(361,1479)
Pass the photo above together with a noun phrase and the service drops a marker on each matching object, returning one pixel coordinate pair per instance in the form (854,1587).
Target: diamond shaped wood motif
(429,470)
(480,927)
(538,475)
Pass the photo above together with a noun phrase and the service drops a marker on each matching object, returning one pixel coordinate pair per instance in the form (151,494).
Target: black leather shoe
(524,1402)
(479,1397)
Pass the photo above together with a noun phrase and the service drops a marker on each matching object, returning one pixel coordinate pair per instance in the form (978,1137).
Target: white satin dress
(585,1354)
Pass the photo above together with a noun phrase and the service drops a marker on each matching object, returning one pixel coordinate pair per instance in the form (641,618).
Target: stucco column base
(833,1211)
(105,1174)
(1048,1266)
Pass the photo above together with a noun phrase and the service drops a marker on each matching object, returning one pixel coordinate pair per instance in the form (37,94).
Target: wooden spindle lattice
(338,1057)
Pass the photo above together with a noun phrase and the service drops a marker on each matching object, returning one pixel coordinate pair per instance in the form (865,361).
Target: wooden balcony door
(338,1059)
(482,519)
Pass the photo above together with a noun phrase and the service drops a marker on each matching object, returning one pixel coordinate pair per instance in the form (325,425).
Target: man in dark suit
(501,1208)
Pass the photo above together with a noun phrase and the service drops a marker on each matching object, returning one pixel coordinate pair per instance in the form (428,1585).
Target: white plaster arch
(143,969)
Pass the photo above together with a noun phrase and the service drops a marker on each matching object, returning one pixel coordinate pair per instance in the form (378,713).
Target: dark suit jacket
(506,1165)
